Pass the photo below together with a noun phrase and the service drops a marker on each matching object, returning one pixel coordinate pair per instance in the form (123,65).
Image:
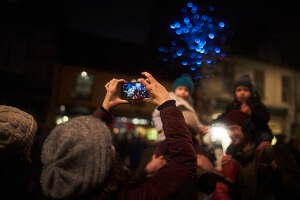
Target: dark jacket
(15,182)
(181,165)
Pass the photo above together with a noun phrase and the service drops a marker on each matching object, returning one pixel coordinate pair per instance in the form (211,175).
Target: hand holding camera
(146,89)
(157,92)
(133,91)
(111,98)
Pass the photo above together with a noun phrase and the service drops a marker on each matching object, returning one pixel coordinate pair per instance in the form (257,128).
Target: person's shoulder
(181,103)
(231,106)
(255,99)
(173,95)
(256,104)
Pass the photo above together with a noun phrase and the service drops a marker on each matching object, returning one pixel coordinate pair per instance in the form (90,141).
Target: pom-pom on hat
(244,80)
(17,131)
(184,80)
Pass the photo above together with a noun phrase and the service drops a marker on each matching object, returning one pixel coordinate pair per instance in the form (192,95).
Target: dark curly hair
(119,179)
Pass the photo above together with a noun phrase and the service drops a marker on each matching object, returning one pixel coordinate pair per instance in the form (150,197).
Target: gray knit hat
(77,157)
(17,131)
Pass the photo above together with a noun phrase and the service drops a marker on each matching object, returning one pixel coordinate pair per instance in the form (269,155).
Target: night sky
(135,28)
(125,34)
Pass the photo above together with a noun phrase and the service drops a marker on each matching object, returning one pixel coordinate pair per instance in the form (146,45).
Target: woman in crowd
(79,158)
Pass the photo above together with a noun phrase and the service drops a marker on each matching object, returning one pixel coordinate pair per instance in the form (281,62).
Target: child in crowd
(248,101)
(183,88)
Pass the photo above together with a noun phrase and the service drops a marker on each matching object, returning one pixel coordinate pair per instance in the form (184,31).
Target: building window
(84,85)
(286,89)
(259,81)
(228,76)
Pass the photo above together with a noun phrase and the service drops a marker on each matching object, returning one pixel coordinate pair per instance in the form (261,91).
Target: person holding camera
(79,158)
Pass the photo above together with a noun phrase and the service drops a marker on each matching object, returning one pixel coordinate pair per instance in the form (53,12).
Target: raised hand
(112,98)
(204,162)
(155,164)
(246,109)
(157,92)
(204,129)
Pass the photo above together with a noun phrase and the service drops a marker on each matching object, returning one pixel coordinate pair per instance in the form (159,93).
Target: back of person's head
(235,117)
(244,80)
(77,157)
(17,132)
(184,80)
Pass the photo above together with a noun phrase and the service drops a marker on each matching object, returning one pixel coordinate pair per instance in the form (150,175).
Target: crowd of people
(79,160)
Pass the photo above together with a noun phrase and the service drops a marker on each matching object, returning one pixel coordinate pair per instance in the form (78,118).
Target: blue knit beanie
(184,80)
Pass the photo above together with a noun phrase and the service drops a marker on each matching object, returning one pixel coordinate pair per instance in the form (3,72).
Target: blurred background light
(219,133)
(198,31)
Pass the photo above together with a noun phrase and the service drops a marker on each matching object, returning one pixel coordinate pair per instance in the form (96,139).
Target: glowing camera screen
(133,91)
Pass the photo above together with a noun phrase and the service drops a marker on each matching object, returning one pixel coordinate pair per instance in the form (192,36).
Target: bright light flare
(219,133)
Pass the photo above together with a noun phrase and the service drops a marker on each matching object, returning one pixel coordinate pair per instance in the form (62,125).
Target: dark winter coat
(15,182)
(181,165)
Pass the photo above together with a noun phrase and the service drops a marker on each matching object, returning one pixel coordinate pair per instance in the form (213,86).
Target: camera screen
(134,90)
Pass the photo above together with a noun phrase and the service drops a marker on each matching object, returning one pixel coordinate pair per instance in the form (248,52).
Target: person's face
(182,92)
(242,93)
(235,133)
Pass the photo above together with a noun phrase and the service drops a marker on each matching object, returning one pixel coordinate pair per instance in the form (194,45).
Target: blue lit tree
(197,41)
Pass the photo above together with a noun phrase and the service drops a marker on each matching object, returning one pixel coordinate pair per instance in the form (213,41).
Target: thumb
(124,101)
(148,100)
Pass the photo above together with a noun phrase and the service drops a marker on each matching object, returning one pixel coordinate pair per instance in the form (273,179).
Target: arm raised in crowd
(181,165)
(111,100)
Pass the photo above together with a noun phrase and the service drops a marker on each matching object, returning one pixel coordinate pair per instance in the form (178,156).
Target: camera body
(133,91)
